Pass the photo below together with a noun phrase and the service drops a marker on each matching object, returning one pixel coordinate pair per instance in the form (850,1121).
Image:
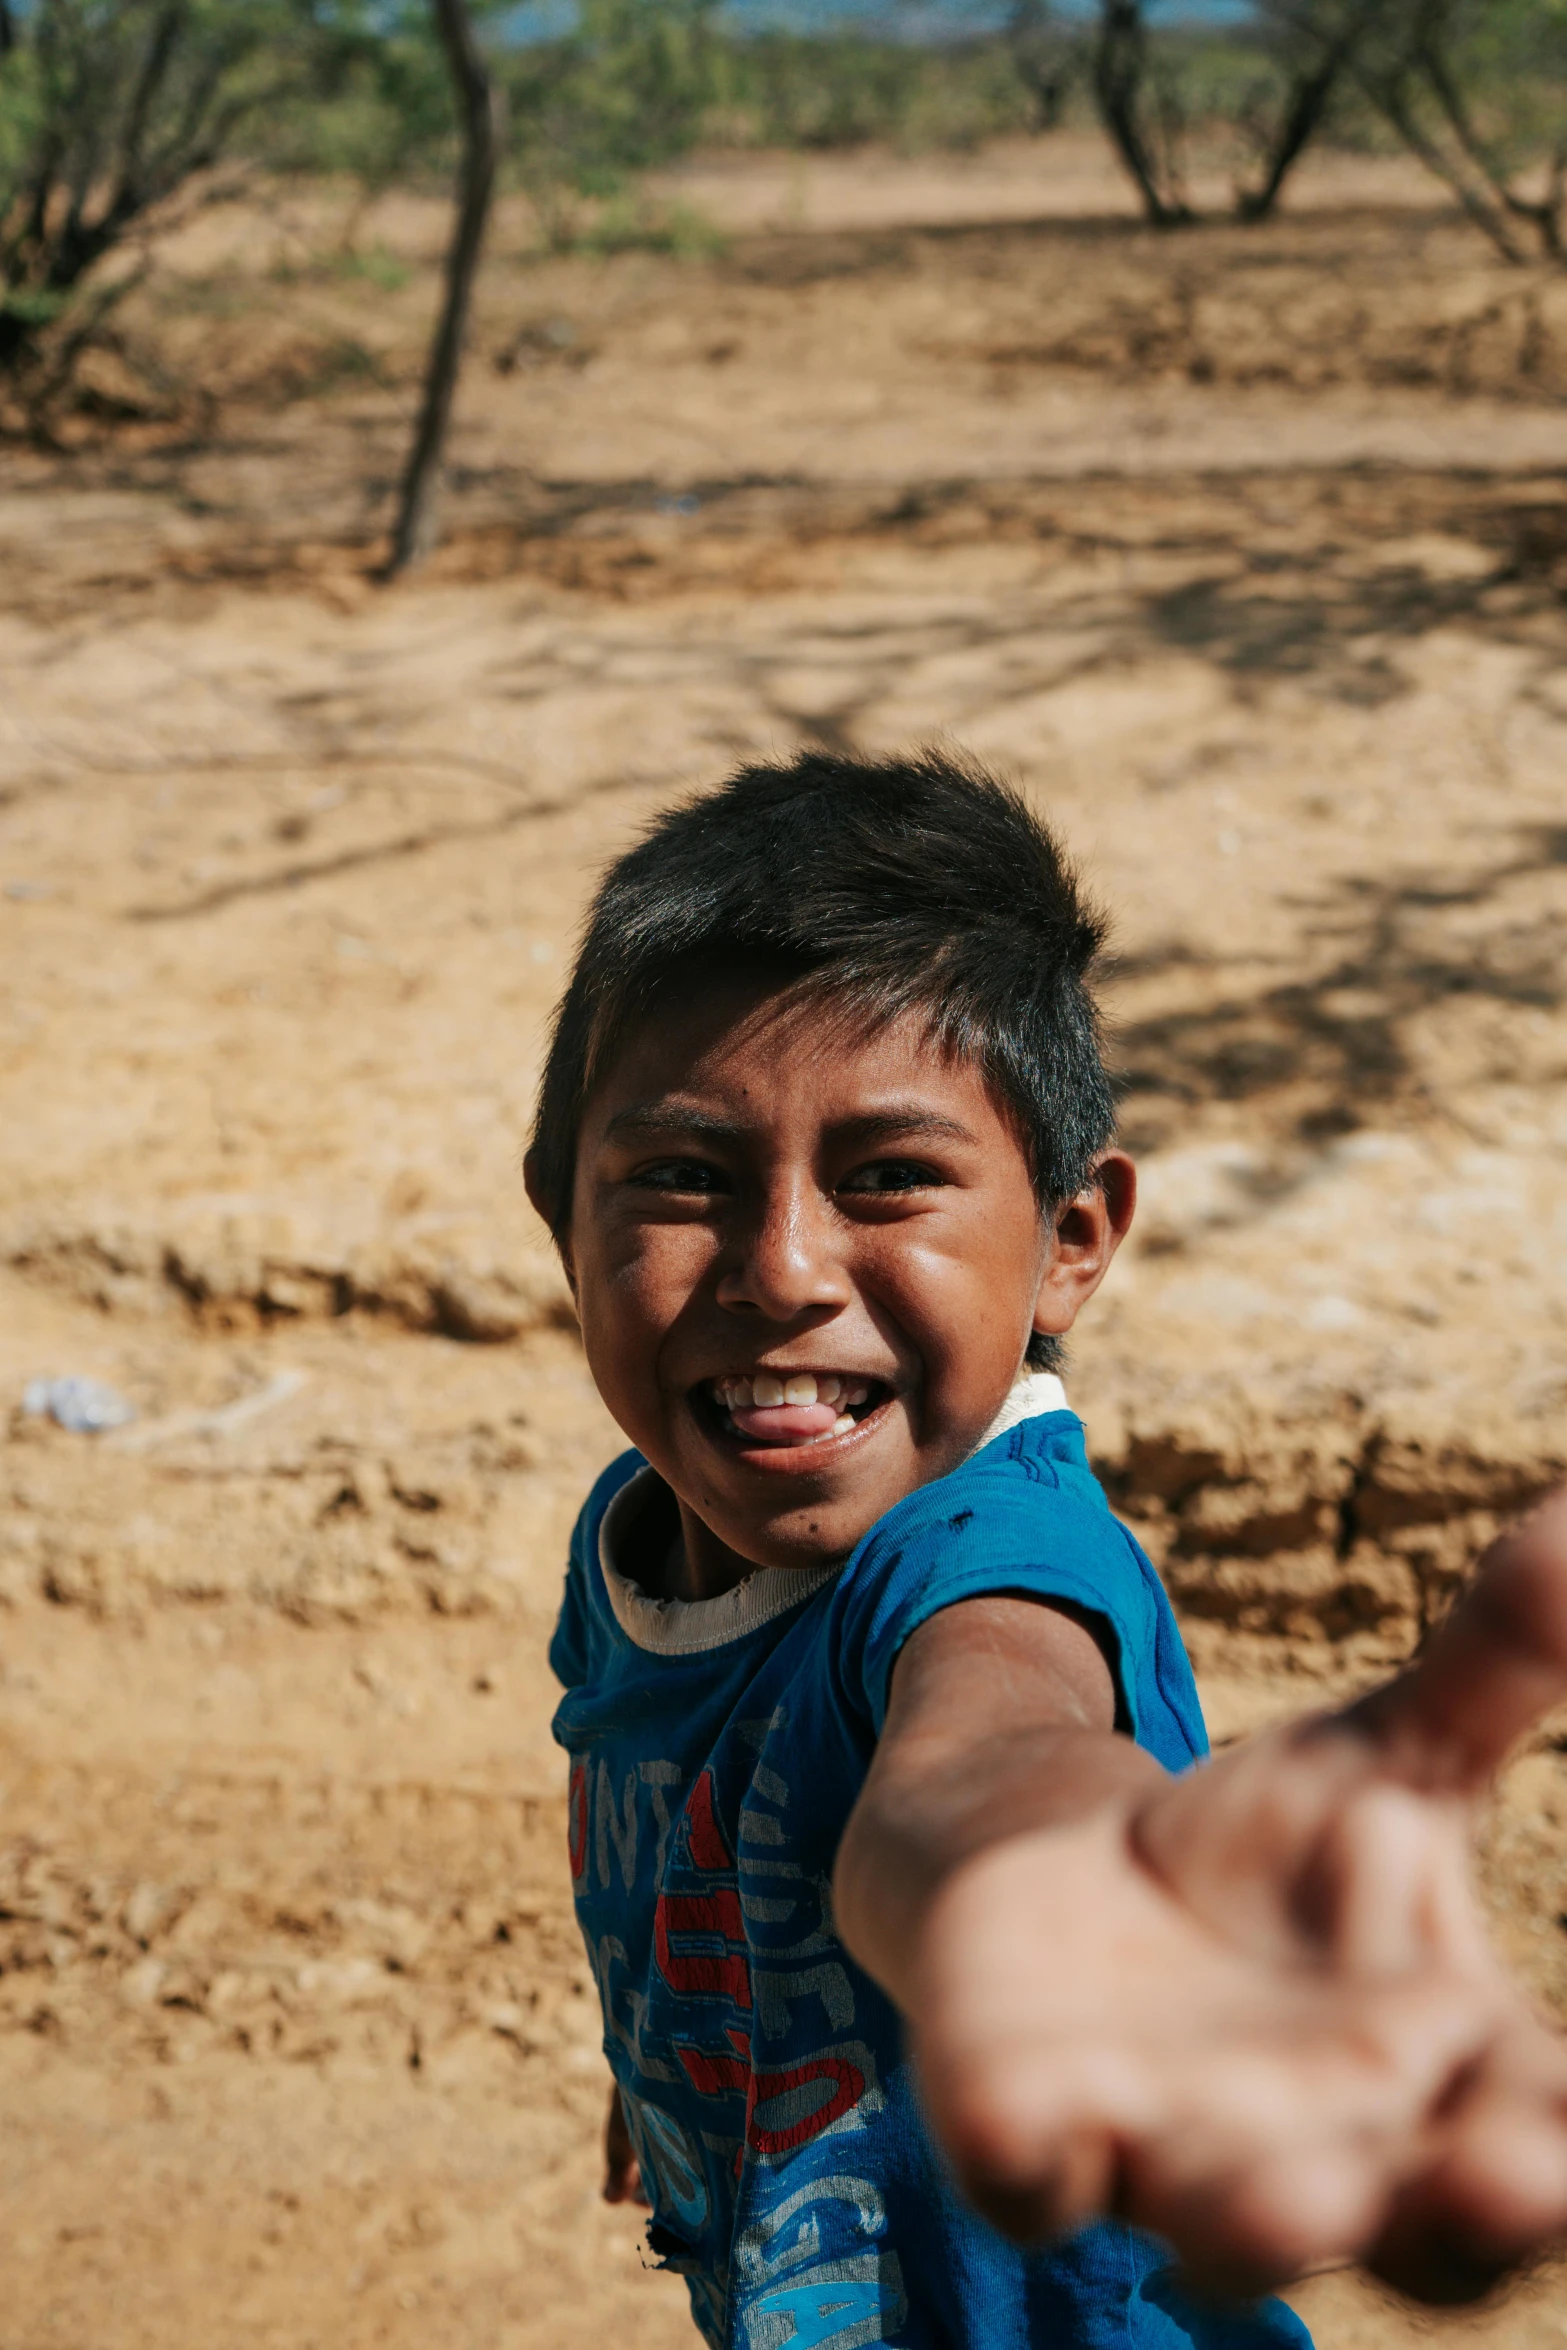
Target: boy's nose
(785,1262)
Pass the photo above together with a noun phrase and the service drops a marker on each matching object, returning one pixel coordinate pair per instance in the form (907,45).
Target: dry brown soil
(1245,551)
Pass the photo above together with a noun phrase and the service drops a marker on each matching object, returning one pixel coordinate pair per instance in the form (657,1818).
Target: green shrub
(844,89)
(111,109)
(627,88)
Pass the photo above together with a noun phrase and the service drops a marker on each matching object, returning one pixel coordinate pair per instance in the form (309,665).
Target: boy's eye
(684,1175)
(890,1175)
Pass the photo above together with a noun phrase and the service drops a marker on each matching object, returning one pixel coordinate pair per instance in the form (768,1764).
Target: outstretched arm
(1001,1720)
(1252,2008)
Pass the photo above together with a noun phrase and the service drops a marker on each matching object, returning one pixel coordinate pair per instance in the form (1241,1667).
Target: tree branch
(1309,96)
(1390,92)
(154,71)
(481,112)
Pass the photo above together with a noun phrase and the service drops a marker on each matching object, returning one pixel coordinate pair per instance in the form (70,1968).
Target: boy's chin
(805,1506)
(800,1541)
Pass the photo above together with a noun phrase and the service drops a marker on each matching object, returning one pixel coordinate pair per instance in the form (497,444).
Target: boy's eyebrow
(671,1116)
(895,1121)
(900,1121)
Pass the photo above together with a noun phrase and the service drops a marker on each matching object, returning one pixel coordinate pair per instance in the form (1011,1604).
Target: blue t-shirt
(792,2178)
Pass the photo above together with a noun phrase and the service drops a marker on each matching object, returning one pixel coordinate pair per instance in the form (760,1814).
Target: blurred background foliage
(116,115)
(620,86)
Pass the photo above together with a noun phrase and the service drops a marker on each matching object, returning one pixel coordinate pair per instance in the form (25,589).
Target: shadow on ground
(1333,1051)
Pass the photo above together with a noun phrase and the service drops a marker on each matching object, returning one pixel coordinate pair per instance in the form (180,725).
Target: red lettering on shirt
(709,1974)
(704,1837)
(715,2076)
(849,2088)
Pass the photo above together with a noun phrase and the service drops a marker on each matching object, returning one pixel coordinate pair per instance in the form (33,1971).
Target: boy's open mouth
(797,1408)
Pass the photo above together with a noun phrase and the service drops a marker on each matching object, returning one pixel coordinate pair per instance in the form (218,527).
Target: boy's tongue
(783,1423)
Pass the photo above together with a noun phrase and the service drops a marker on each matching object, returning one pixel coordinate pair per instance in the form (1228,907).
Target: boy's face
(764,1195)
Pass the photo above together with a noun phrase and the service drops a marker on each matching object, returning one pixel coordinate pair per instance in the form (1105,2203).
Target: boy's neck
(671,1554)
(699,1565)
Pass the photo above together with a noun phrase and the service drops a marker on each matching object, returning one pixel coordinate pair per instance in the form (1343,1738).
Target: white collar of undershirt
(689,1627)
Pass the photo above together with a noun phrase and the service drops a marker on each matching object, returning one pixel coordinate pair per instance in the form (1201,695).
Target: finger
(1492,2188)
(622,2171)
(1495,1666)
(1244,2233)
(1191,2140)
(1064,2190)
(1497,2198)
(1033,2142)
(1391,1888)
(1277,2153)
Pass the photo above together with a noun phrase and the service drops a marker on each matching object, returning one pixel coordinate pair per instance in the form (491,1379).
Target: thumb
(1492,1669)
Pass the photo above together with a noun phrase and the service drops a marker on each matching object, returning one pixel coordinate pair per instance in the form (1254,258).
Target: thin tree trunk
(1039,59)
(480,109)
(1308,103)
(1120,56)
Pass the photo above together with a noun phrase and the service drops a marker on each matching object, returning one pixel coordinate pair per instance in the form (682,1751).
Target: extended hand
(1254,2009)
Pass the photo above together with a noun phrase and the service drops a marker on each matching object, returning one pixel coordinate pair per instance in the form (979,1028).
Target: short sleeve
(570,1654)
(986,1532)
(569,1645)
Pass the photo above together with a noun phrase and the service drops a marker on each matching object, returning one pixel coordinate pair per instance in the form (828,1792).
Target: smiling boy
(880,1727)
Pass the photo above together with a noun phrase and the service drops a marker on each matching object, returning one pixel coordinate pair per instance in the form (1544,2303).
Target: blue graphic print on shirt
(792,2179)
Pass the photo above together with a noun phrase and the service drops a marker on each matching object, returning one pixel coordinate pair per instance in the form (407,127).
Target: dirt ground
(1245,551)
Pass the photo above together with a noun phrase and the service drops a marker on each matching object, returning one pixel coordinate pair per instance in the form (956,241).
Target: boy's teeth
(843,1423)
(764,1388)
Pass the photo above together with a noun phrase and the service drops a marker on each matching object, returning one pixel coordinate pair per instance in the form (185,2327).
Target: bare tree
(1416,74)
(1138,111)
(1046,56)
(482,116)
(1316,42)
(122,108)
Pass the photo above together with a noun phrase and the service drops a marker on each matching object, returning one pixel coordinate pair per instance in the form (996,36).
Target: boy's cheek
(632,1402)
(970,1322)
(626,1322)
(624,1315)
(647,1267)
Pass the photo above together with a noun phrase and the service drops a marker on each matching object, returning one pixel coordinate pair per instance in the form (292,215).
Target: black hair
(884,884)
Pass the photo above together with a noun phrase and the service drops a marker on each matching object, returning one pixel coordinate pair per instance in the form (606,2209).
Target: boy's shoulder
(1024,1515)
(1029,1483)
(1037,1446)
(584,1614)
(605,1486)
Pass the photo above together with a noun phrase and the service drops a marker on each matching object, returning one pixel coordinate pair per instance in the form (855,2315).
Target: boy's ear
(535,1191)
(1089,1228)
